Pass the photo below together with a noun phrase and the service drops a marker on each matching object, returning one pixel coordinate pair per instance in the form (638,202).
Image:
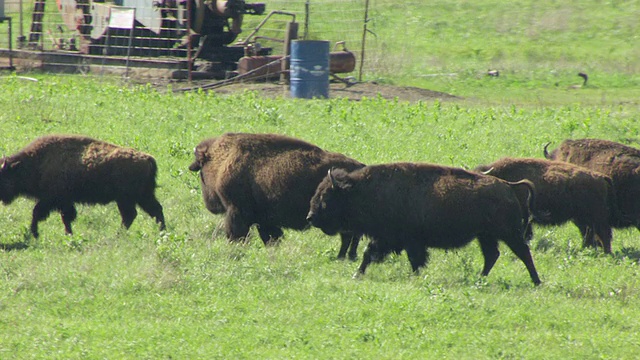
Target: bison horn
(546,152)
(6,165)
(333,180)
(488,171)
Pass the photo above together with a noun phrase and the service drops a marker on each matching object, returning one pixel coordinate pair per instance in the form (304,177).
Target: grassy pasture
(538,47)
(186,293)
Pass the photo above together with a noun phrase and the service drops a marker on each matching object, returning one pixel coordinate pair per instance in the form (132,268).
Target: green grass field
(187,293)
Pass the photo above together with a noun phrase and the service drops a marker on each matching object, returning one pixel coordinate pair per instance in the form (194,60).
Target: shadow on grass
(628,253)
(14,246)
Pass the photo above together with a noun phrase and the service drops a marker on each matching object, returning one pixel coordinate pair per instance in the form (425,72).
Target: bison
(413,207)
(265,179)
(59,171)
(620,162)
(564,192)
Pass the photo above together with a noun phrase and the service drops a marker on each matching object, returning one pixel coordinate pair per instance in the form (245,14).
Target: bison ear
(341,183)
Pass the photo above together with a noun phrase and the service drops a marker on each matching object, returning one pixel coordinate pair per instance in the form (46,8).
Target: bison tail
(546,152)
(153,172)
(528,211)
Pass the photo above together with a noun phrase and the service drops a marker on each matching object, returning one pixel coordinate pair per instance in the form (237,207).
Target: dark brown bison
(59,171)
(564,192)
(620,162)
(265,179)
(414,207)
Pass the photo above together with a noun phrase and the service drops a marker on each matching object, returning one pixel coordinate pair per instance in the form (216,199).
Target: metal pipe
(247,75)
(259,26)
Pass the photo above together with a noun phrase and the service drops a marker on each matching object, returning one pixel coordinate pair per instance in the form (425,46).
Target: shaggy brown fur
(59,171)
(564,192)
(414,207)
(620,162)
(585,150)
(265,179)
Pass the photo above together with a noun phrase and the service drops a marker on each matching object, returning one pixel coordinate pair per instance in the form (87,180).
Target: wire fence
(92,27)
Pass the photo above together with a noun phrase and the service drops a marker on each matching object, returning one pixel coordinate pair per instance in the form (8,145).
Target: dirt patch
(356,92)
(160,79)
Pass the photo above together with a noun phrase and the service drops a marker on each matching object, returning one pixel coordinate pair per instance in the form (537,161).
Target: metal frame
(10,67)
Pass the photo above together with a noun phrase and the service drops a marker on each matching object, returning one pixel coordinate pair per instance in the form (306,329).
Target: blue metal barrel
(309,69)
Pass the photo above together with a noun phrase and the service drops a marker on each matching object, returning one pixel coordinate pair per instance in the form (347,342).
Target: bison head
(201,157)
(329,203)
(8,191)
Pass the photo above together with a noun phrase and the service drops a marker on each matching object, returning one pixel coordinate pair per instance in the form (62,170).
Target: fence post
(21,38)
(123,18)
(364,38)
(291,33)
(306,19)
(2,19)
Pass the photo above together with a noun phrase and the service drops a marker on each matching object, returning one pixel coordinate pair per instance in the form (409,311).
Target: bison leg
(68,214)
(417,255)
(601,231)
(128,212)
(269,233)
(40,212)
(367,257)
(522,251)
(528,232)
(373,252)
(349,241)
(604,234)
(151,206)
(588,236)
(366,260)
(236,227)
(489,247)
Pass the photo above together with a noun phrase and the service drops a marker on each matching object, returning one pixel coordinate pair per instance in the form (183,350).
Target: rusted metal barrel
(339,62)
(342,62)
(269,65)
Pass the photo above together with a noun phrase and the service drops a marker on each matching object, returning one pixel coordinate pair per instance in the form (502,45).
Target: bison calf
(620,162)
(414,207)
(59,171)
(265,179)
(564,192)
